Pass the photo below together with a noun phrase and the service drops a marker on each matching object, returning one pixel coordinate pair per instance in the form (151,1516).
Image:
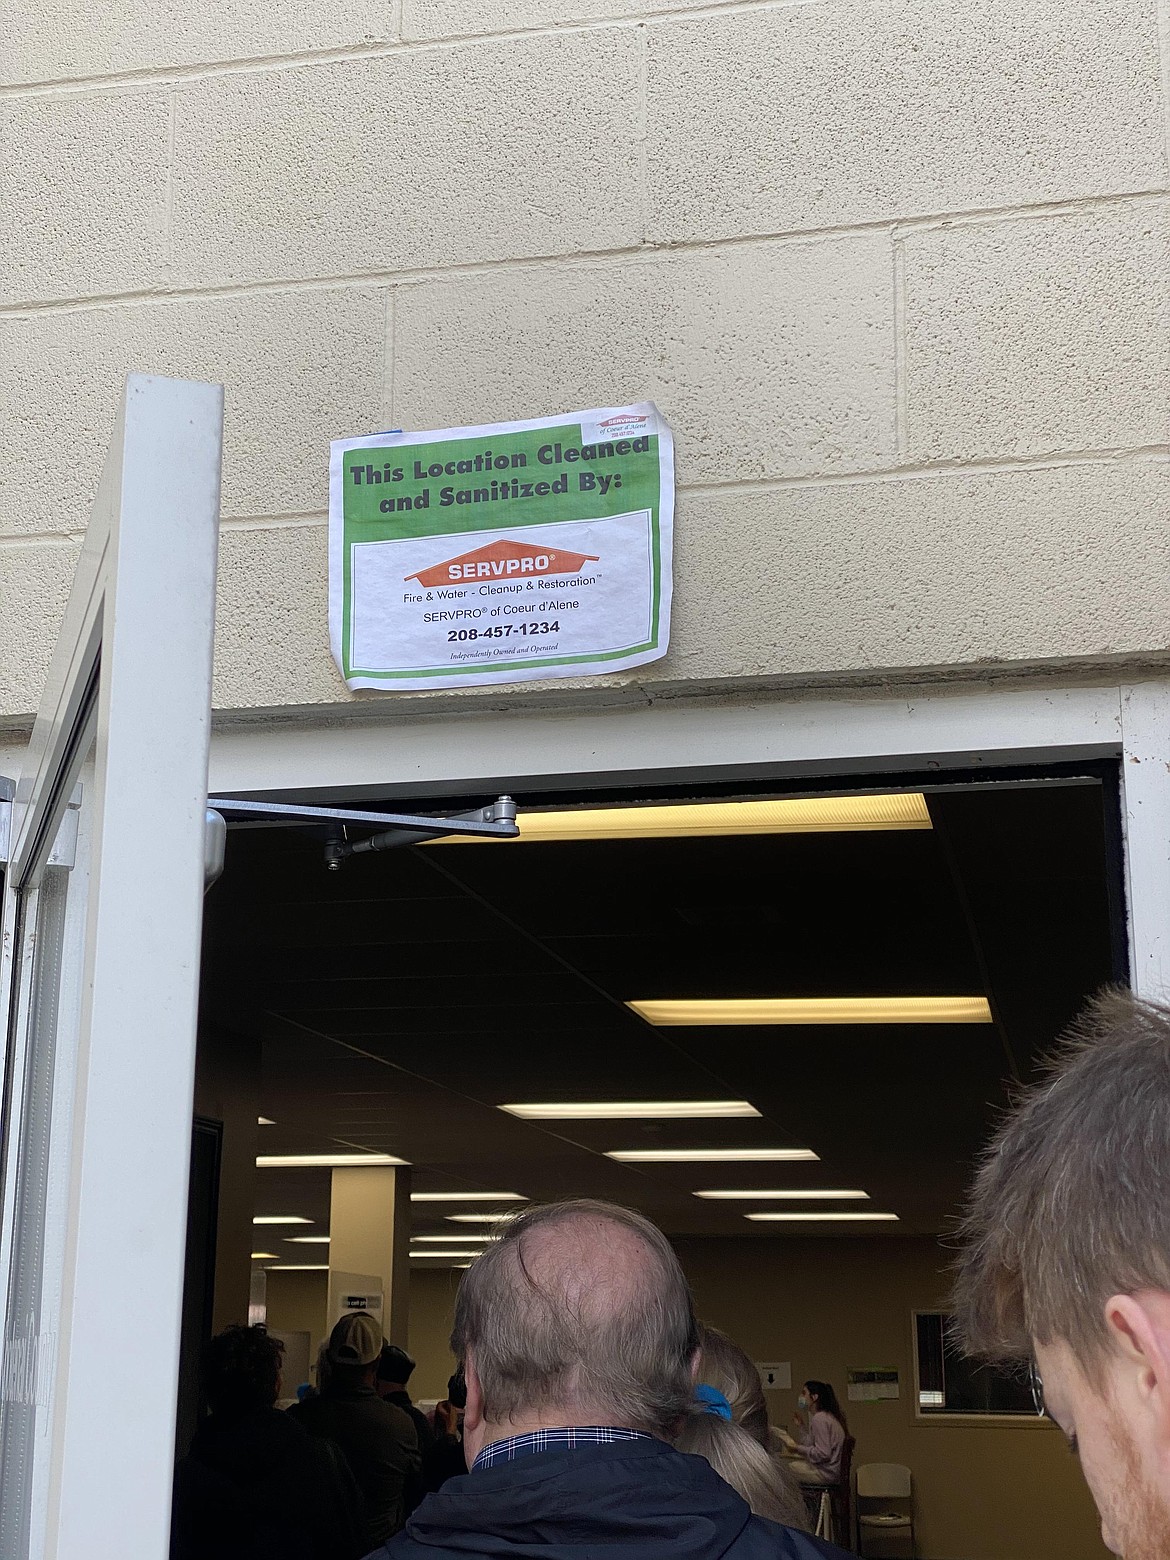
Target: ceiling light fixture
(300,1267)
(448,1237)
(619,1110)
(415,1255)
(786,815)
(264,1121)
(306,1240)
(328,1161)
(791,1194)
(280,1218)
(421,1197)
(814,1010)
(701,1156)
(264,1256)
(822,1218)
(478,1218)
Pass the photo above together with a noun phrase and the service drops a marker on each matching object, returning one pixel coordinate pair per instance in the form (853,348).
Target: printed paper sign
(368,1302)
(776,1375)
(871,1383)
(505,553)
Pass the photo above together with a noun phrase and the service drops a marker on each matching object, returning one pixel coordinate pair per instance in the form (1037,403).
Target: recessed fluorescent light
(684,1156)
(263,1121)
(815,1010)
(788,815)
(664,1110)
(300,1267)
(478,1218)
(416,1254)
(280,1218)
(330,1161)
(307,1240)
(448,1238)
(264,1256)
(467,1197)
(791,1194)
(821,1218)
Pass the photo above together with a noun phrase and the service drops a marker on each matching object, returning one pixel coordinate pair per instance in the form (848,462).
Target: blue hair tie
(712,1401)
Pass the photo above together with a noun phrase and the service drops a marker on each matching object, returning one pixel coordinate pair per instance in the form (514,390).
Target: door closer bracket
(495,821)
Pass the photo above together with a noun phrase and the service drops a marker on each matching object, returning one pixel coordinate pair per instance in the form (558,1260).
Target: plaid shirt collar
(553,1441)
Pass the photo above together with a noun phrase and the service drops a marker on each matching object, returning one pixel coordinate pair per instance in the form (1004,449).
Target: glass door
(102,914)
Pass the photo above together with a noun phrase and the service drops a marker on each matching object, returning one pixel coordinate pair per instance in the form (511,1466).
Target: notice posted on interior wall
(872,1383)
(503,553)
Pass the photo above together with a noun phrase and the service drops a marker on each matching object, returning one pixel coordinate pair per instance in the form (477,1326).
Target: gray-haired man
(578,1338)
(1066,1260)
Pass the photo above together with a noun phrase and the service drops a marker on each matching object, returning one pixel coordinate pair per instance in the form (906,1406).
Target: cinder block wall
(896,270)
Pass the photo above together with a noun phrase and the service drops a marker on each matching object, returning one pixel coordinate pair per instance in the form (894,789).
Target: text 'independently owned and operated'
(503,553)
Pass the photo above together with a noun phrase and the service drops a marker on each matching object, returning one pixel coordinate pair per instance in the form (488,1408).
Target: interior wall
(296,1303)
(432,1313)
(1007,1491)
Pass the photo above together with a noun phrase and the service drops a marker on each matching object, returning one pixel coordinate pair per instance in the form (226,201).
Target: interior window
(949,1383)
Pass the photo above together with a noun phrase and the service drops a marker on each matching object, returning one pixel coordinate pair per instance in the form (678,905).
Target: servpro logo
(624,422)
(503,560)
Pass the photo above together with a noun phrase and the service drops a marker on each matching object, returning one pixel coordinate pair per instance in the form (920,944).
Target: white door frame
(420,754)
(126,706)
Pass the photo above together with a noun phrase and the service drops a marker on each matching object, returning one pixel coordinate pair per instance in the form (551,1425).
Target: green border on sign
(515,455)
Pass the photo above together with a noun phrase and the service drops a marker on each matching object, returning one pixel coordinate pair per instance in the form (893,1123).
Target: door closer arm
(496,821)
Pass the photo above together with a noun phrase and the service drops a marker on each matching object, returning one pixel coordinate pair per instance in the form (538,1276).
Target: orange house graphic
(504,560)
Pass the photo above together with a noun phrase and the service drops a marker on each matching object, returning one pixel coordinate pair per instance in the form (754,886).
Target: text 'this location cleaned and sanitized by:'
(504,553)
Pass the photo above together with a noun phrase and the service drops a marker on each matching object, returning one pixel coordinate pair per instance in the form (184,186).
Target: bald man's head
(581,1311)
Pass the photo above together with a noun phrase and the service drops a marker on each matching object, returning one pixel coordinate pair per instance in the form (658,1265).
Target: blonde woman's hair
(739,1450)
(740,1460)
(724,1365)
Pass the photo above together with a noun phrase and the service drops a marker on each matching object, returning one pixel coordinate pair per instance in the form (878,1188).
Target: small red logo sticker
(504,560)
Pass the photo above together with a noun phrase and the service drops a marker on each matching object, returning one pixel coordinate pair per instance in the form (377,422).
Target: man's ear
(1139,1328)
(473,1413)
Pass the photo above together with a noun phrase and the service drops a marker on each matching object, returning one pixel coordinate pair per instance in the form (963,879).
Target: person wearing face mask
(818,1447)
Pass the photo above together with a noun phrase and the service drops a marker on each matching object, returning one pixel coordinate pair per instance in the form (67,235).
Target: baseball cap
(356,1340)
(395,1364)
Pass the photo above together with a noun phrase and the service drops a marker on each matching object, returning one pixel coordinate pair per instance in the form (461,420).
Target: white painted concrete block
(34,587)
(272,620)
(947,570)
(55,41)
(767,360)
(84,194)
(428,158)
(460,18)
(820,115)
(939,572)
(1029,336)
(300,368)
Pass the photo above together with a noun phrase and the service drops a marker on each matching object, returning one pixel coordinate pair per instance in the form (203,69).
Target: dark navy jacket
(632,1500)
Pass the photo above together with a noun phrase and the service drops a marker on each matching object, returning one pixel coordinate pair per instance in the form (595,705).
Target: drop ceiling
(399,1002)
